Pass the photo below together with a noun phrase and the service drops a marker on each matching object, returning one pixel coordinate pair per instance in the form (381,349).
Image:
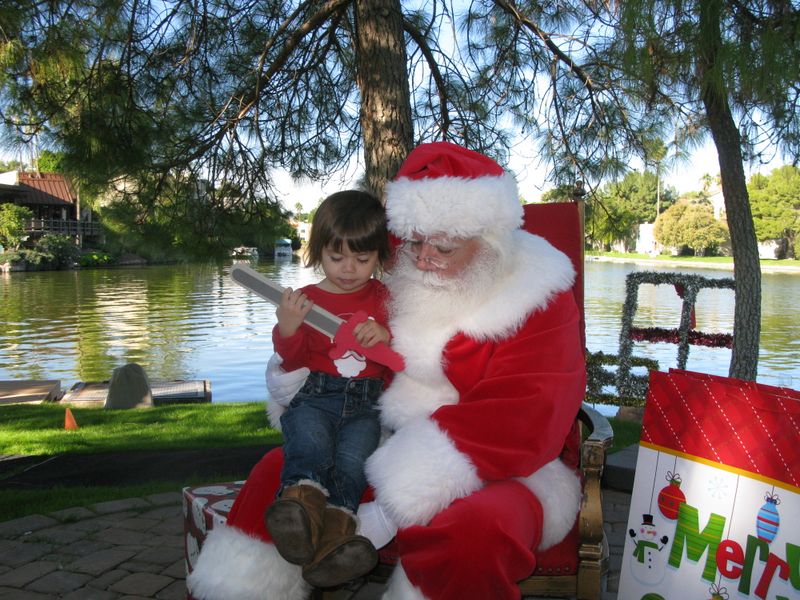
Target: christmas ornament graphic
(671,497)
(768,519)
(718,593)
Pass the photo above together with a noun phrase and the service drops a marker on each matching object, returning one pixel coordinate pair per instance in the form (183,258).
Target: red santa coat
(489,396)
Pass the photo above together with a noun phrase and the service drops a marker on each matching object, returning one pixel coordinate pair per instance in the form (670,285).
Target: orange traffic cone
(69,421)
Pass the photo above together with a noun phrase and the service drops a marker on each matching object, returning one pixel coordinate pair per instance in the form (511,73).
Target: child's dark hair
(353,217)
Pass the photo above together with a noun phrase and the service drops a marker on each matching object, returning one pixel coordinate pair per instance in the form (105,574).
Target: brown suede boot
(295,520)
(341,555)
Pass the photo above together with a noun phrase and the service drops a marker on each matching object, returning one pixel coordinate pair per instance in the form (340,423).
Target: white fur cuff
(274,413)
(400,588)
(418,472)
(558,488)
(234,565)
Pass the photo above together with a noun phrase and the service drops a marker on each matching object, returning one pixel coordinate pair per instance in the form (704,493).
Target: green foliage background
(775,201)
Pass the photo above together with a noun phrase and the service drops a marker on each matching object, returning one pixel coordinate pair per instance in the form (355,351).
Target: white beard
(426,298)
(425,312)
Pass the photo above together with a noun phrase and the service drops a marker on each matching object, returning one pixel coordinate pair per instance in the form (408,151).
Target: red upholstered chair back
(561,224)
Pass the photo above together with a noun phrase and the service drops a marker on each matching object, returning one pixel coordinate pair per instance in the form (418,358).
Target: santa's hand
(283,385)
(375,525)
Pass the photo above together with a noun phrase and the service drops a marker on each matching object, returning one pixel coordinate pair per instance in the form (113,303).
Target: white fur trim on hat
(457,206)
(233,564)
(558,488)
(418,472)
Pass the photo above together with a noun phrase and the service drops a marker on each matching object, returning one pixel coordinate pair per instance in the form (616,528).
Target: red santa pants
(478,547)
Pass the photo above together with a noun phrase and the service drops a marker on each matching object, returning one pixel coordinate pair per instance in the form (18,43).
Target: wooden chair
(587,542)
(561,224)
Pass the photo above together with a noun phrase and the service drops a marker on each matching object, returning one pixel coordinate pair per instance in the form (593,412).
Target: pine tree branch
(510,8)
(436,73)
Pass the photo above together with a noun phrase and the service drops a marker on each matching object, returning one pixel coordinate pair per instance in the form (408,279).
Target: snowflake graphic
(718,488)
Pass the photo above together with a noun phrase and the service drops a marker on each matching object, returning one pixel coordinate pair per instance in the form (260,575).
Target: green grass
(625,434)
(39,429)
(691,259)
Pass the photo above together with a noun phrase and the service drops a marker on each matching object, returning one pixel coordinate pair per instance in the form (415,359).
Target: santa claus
(469,482)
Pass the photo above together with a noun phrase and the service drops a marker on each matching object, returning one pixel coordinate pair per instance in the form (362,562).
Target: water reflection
(660,306)
(193,322)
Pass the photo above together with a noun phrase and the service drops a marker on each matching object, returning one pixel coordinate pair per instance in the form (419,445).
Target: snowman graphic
(647,565)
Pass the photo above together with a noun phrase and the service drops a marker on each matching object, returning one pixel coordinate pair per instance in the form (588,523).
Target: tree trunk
(382,76)
(746,265)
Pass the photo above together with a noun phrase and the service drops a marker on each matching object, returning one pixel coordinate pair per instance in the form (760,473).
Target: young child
(331,425)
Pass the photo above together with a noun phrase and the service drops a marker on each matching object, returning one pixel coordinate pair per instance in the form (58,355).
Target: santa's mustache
(413,290)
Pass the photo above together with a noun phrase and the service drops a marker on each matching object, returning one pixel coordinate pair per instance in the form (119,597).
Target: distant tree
(560,193)
(189,221)
(608,221)
(12,165)
(303,216)
(709,180)
(775,199)
(50,162)
(639,194)
(313,211)
(12,225)
(656,156)
(690,224)
(615,213)
(58,251)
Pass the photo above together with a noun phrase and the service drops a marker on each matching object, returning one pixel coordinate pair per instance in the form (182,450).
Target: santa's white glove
(283,385)
(375,525)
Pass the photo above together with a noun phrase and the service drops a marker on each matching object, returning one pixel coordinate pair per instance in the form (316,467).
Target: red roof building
(48,195)
(52,200)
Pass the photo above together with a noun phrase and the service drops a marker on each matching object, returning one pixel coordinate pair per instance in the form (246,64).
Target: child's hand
(370,333)
(294,307)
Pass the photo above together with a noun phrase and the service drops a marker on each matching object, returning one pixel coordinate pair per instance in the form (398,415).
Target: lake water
(193,322)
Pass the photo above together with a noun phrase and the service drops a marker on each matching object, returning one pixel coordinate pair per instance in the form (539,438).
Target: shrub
(96,258)
(60,251)
(34,259)
(13,256)
(12,224)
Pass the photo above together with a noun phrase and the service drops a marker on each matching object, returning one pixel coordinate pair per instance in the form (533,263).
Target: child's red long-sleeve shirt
(309,348)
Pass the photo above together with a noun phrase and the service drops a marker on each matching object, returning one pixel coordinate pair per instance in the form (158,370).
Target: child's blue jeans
(330,429)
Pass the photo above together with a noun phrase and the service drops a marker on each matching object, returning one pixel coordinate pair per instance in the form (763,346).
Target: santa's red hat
(444,188)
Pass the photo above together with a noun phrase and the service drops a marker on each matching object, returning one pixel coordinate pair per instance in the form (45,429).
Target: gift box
(204,507)
(716,495)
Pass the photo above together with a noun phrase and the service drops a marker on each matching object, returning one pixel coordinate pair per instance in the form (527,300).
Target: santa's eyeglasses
(435,250)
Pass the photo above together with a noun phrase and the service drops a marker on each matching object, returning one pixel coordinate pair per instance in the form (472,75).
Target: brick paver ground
(124,549)
(133,549)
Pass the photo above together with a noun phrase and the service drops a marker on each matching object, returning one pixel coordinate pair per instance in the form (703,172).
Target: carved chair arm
(593,451)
